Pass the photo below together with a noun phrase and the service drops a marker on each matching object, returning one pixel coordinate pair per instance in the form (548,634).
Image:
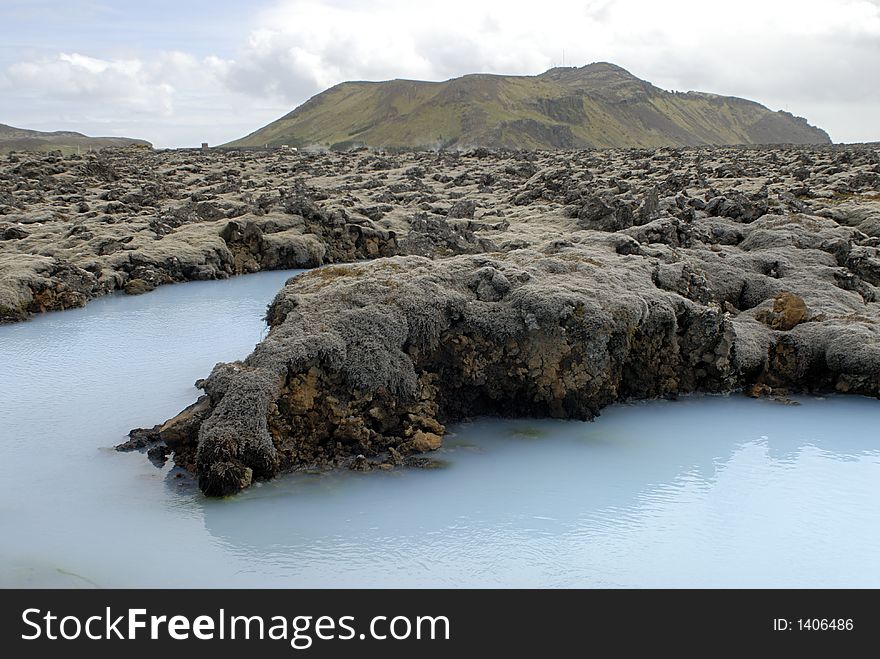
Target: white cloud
(172,99)
(74,76)
(818,59)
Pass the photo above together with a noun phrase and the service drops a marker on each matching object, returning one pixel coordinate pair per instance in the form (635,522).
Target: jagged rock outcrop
(364,363)
(150,231)
(76,227)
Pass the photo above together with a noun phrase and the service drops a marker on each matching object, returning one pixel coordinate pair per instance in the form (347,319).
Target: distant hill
(599,105)
(21,139)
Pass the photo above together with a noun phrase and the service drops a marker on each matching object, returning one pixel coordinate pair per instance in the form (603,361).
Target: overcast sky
(179,72)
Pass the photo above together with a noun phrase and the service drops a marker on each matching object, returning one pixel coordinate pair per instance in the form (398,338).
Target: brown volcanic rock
(788,310)
(80,227)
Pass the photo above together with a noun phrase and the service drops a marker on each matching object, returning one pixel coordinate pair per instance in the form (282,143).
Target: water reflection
(701,481)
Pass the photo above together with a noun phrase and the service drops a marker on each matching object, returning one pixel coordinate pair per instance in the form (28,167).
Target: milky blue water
(705,491)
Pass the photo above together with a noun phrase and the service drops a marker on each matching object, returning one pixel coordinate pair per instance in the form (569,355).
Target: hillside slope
(22,139)
(598,105)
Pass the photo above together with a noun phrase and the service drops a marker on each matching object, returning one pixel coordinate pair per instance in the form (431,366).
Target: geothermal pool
(704,491)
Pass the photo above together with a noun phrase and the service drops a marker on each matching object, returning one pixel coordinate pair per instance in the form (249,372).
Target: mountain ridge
(597,105)
(25,139)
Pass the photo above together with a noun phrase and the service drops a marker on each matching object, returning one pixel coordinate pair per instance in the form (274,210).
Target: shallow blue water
(705,491)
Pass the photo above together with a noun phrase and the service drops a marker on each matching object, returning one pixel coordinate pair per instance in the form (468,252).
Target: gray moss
(234,445)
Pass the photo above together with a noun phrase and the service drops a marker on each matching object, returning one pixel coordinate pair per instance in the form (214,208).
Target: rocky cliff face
(561,284)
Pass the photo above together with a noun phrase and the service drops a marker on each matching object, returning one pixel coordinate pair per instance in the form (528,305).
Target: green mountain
(21,139)
(599,105)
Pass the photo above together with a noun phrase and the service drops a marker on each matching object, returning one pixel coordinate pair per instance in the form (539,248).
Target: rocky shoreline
(542,285)
(75,228)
